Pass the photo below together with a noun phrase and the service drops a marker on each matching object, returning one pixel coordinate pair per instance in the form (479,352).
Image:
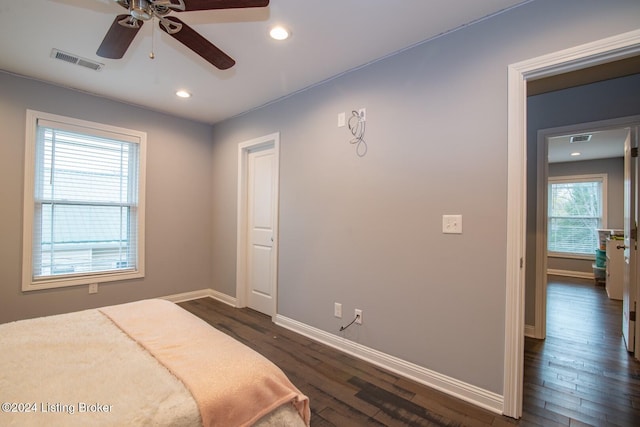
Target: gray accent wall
(367,231)
(178,200)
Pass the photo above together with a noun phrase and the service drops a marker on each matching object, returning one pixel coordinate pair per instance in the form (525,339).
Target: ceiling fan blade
(194,41)
(222,4)
(119,37)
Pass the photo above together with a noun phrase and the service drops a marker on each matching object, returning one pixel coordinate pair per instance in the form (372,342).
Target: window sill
(69,281)
(572,256)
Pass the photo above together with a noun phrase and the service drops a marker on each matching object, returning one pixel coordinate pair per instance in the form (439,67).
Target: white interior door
(629,285)
(261,220)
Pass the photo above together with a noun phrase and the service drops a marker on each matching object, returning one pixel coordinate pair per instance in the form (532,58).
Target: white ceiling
(603,144)
(329,37)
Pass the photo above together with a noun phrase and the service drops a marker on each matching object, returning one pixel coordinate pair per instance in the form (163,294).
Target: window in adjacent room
(577,208)
(84,202)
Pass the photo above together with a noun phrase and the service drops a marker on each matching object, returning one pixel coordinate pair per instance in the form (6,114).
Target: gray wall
(366,232)
(614,168)
(178,209)
(589,103)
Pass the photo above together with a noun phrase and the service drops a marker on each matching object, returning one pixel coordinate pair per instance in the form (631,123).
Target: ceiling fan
(125,27)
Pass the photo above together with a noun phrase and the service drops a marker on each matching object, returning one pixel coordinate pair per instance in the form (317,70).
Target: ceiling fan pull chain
(153,40)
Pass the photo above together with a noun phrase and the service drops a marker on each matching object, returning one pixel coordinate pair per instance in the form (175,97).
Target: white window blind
(86,204)
(576,210)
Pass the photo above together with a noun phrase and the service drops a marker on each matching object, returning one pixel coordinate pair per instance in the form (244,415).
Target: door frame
(542,175)
(244,148)
(630,265)
(572,59)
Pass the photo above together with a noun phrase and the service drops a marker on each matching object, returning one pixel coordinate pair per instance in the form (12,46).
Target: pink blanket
(232,384)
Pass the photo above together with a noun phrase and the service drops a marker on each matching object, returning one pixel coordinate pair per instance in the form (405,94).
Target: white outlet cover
(452,224)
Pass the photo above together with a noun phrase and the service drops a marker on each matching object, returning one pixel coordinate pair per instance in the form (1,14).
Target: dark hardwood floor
(580,375)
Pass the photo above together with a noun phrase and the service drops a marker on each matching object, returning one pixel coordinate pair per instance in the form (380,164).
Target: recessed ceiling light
(183,94)
(279,33)
(575,153)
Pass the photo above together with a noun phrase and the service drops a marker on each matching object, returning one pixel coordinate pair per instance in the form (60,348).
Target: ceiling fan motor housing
(141,9)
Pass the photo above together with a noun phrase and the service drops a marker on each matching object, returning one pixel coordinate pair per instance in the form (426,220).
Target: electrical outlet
(337,310)
(358,316)
(363,114)
(93,288)
(341,119)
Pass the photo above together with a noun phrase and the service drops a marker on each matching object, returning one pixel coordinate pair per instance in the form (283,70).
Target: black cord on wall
(342,328)
(357,128)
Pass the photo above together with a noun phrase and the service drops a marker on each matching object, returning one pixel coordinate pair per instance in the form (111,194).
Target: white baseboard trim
(569,273)
(203,293)
(461,390)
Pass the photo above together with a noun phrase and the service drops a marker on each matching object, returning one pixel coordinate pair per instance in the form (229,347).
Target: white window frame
(602,177)
(91,128)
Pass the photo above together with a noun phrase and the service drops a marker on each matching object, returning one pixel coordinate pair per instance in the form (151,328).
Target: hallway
(581,374)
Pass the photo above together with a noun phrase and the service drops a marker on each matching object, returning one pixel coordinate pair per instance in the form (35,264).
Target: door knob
(621,246)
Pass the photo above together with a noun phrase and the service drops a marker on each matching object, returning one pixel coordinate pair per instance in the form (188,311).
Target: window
(577,208)
(83,204)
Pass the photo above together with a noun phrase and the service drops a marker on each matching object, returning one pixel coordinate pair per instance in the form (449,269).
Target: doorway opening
(601,157)
(600,52)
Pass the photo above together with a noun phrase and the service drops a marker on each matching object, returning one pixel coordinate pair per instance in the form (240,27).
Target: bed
(143,363)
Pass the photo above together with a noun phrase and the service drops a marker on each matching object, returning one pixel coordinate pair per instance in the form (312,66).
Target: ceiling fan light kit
(125,27)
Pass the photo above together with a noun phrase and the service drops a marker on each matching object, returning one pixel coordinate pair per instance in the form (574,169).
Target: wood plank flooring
(580,375)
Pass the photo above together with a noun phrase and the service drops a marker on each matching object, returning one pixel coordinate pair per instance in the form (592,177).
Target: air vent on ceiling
(75,59)
(580,138)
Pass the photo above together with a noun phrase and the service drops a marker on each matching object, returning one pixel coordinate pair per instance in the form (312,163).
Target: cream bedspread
(232,384)
(81,369)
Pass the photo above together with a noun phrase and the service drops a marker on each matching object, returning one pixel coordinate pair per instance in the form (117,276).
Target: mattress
(143,363)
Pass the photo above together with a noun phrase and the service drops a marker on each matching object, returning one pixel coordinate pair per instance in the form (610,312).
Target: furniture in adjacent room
(614,266)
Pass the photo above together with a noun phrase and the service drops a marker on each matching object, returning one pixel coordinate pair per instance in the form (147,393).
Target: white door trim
(271,140)
(587,55)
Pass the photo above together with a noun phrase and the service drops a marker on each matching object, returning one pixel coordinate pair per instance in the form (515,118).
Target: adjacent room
(357,207)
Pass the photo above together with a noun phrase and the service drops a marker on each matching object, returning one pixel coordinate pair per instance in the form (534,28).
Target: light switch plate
(337,310)
(452,224)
